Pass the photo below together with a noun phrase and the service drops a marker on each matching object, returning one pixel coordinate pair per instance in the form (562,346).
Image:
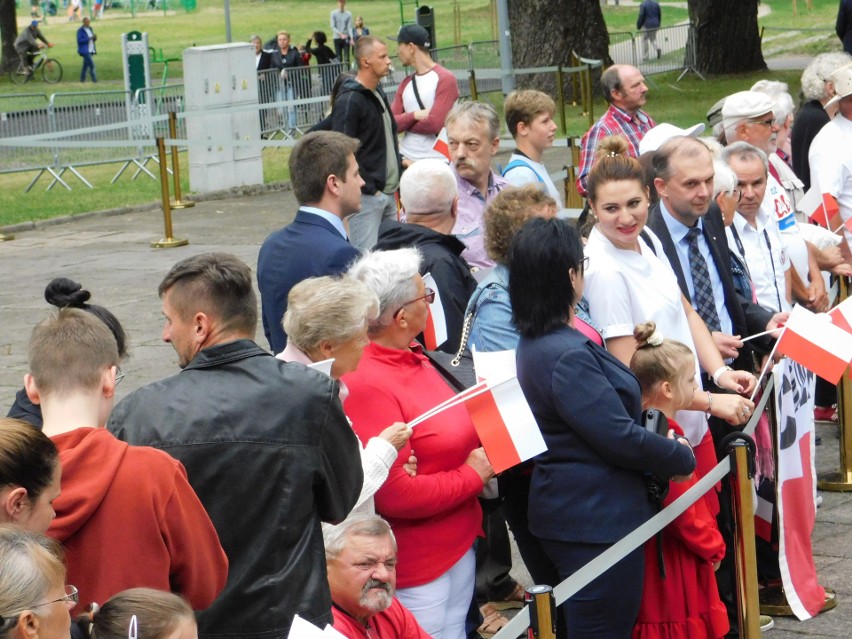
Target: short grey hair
(780,94)
(255,37)
(390,275)
(364,525)
(475,112)
(611,81)
(744,151)
(428,187)
(32,564)
(819,71)
(329,309)
(724,179)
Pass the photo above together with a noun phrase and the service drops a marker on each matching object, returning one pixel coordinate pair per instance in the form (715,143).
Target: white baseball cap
(842,79)
(662,133)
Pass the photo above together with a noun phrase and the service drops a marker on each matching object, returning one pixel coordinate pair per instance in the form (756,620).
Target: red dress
(686,604)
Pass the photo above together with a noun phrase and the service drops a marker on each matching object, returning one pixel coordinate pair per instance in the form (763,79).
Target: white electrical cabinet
(218,80)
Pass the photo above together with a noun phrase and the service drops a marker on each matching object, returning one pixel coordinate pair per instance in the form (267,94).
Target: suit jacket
(747,318)
(308,247)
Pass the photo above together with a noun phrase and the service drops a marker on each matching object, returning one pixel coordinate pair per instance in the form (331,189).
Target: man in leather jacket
(266,446)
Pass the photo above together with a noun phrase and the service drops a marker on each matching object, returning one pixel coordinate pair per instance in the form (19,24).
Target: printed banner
(796,487)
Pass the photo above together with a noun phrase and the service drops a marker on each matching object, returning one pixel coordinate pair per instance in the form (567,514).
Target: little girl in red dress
(685,603)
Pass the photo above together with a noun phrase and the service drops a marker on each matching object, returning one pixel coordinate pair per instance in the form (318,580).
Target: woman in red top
(683,604)
(435,515)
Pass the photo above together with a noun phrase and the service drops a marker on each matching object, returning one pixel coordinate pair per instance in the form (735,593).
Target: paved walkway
(110,255)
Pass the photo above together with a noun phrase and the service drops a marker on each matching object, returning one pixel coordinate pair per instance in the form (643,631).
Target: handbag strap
(468,321)
(416,92)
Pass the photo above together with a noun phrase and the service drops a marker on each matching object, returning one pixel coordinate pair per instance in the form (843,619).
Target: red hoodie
(128,518)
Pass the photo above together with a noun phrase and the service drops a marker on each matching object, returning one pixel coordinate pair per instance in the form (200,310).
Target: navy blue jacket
(308,247)
(650,15)
(589,485)
(843,27)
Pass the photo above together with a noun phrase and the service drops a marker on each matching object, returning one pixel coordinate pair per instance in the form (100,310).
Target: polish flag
(493,365)
(435,332)
(505,425)
(816,344)
(442,144)
(841,315)
(821,208)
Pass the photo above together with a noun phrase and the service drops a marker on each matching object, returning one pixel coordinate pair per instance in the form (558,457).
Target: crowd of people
(258,484)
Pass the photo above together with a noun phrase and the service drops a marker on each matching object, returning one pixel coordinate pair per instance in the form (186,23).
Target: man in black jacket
(362,111)
(265,444)
(430,199)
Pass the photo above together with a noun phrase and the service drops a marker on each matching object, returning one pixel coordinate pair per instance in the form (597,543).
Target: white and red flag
(493,365)
(503,420)
(442,144)
(435,332)
(841,315)
(816,343)
(821,208)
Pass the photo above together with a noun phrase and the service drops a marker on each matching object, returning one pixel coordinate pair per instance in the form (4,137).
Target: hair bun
(647,335)
(63,292)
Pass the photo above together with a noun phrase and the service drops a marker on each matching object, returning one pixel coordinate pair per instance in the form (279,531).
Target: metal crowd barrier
(655,51)
(20,116)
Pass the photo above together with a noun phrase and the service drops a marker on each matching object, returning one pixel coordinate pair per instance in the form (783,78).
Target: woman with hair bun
(156,614)
(66,293)
(29,476)
(685,602)
(629,282)
(587,489)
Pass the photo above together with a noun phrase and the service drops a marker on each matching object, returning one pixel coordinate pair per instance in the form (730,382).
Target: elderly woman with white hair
(817,89)
(327,318)
(435,515)
(35,603)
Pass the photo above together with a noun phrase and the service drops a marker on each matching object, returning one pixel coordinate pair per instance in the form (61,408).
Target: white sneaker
(818,501)
(766,623)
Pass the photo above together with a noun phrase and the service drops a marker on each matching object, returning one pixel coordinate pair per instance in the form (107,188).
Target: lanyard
(741,249)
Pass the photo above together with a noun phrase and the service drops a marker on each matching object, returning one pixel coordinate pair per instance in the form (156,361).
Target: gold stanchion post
(168,241)
(841,479)
(575,88)
(560,98)
(178,203)
(748,602)
(542,606)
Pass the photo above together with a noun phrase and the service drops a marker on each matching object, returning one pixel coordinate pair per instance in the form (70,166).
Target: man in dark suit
(684,181)
(327,186)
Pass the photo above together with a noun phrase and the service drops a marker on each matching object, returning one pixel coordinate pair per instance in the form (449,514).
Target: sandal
(493,621)
(514,599)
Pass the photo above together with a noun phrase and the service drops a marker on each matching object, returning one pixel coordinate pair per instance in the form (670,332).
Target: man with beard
(473,131)
(360,557)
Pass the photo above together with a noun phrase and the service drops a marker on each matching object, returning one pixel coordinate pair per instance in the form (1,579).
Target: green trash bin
(189,5)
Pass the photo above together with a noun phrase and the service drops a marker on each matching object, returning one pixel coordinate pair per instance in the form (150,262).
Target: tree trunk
(726,37)
(8,33)
(545,32)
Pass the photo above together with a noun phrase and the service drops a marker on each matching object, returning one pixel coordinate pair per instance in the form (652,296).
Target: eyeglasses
(768,122)
(71,598)
(429,297)
(737,193)
(119,375)
(584,264)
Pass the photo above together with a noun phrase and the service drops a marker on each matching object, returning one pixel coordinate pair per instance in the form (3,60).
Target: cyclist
(27,44)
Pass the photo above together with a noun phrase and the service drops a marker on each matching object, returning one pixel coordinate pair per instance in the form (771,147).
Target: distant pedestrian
(650,18)
(341,31)
(843,28)
(86,48)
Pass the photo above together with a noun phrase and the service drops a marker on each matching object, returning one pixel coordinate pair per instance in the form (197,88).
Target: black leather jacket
(270,453)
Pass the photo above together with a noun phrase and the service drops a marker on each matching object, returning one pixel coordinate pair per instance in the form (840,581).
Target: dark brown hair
(612,164)
(28,457)
(157,615)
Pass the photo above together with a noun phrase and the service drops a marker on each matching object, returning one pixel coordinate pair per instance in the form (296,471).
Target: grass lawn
(682,103)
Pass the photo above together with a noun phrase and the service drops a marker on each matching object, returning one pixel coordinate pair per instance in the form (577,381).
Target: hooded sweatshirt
(128,518)
(442,258)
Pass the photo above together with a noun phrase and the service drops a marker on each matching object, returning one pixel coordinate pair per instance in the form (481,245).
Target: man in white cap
(662,133)
(830,154)
(625,90)
(747,116)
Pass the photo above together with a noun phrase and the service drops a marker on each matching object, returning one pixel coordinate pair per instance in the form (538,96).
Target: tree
(8,33)
(725,36)
(545,32)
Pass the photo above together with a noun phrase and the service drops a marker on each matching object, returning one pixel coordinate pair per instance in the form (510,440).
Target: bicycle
(51,69)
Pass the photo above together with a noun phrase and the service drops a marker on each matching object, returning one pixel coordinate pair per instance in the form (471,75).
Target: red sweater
(396,622)
(435,516)
(128,517)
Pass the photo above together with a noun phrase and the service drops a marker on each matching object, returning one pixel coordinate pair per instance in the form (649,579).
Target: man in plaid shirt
(624,88)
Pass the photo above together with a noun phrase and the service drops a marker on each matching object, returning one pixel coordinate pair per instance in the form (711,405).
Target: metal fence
(652,51)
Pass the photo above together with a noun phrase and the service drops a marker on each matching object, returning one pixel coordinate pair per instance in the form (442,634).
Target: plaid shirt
(614,122)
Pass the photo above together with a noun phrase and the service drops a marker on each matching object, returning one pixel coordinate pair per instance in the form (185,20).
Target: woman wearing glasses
(587,490)
(435,515)
(34,600)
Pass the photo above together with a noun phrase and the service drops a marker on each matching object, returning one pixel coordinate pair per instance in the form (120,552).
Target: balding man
(625,90)
(429,196)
